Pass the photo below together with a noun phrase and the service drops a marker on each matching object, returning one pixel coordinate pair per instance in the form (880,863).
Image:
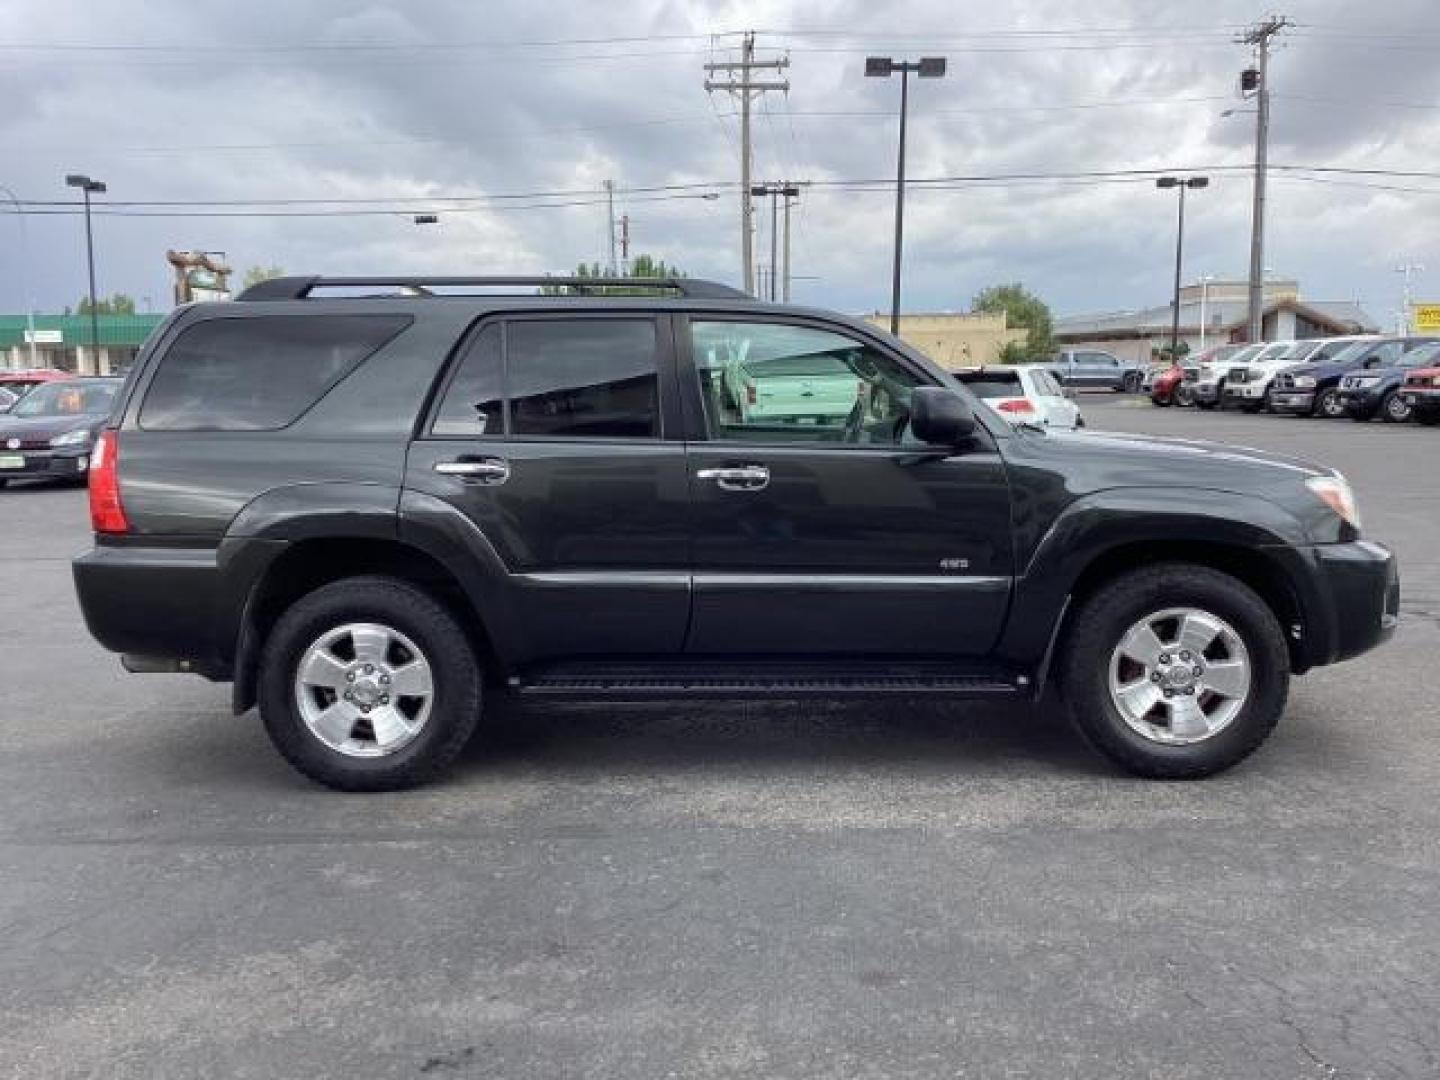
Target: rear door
(837,538)
(556,435)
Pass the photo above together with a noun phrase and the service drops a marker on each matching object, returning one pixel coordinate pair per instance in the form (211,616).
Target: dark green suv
(376,504)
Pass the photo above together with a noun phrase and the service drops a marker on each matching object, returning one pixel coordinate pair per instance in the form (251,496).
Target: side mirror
(939,416)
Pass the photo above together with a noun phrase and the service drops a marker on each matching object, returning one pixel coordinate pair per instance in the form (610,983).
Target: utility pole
(776,191)
(625,242)
(790,194)
(1258,79)
(610,201)
(1408,269)
(738,82)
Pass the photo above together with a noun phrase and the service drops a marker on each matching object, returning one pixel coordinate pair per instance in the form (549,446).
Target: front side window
(775,382)
(260,373)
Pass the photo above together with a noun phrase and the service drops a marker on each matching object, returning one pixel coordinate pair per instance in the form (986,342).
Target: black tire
(455,671)
(1394,410)
(1130,384)
(4,480)
(1207,405)
(1107,615)
(1327,404)
(1162,400)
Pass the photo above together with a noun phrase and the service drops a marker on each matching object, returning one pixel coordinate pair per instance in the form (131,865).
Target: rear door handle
(488,470)
(737,477)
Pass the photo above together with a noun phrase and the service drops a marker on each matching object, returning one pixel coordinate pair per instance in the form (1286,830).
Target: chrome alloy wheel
(1179,676)
(364,690)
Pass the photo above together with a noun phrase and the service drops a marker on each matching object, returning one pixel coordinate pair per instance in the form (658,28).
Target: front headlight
(1334,492)
(1305,382)
(72,438)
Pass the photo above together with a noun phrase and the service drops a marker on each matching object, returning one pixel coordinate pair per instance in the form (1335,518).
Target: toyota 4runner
(377,505)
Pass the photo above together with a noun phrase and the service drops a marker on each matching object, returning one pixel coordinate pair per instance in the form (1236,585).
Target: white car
(1024,393)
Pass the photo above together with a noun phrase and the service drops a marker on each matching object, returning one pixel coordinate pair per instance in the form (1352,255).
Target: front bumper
(1205,391)
(1360,402)
(1350,600)
(44,464)
(1292,401)
(1424,400)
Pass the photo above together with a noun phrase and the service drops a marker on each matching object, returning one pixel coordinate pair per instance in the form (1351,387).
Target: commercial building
(63,341)
(1221,308)
(955,339)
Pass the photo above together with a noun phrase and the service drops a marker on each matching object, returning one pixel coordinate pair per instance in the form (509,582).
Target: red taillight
(750,394)
(1016,405)
(107,515)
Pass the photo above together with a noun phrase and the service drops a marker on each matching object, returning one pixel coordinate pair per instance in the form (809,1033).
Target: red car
(1422,393)
(1164,385)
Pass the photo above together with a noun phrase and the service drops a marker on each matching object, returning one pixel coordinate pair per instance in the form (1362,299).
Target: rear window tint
(994,386)
(260,373)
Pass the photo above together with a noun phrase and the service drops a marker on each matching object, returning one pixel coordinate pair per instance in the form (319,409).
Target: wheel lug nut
(1164,658)
(384,699)
(1156,677)
(350,676)
(369,669)
(1197,672)
(1185,656)
(384,680)
(349,696)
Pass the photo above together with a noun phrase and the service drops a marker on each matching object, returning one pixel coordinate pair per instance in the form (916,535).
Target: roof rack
(300,288)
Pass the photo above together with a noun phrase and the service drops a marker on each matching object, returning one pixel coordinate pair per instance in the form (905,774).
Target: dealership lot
(792,890)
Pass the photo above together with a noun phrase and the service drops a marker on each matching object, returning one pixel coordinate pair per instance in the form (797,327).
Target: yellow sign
(1425,318)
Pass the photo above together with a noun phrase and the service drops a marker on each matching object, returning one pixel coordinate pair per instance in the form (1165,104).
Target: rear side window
(583,377)
(560,378)
(260,373)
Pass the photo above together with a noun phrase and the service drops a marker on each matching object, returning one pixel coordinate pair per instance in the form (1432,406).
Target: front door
(827,529)
(550,437)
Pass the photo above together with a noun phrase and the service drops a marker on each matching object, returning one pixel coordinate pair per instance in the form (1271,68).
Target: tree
(1023,311)
(642,267)
(119,304)
(256,274)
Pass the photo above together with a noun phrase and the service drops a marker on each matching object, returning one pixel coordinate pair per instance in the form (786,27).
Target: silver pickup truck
(1091,367)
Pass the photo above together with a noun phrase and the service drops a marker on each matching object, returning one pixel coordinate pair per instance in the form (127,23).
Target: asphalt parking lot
(723,891)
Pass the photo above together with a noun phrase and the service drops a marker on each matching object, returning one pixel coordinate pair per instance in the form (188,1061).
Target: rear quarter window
(259,373)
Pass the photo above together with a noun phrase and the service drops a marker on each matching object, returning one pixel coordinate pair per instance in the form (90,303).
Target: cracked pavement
(906,890)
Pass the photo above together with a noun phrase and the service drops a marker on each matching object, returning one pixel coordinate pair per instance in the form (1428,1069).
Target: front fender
(1106,521)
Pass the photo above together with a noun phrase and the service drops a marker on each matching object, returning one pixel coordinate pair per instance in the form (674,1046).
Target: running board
(636,682)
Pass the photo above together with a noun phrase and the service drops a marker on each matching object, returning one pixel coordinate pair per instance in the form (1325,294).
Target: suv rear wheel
(368,684)
(1176,671)
(1394,409)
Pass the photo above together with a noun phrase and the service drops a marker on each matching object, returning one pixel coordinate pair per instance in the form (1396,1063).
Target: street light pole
(930,67)
(1182,183)
(88,186)
(24,274)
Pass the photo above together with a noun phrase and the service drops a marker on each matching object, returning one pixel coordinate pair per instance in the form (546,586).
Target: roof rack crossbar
(300,288)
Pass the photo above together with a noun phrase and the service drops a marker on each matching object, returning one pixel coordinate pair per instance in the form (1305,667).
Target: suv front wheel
(368,684)
(1176,671)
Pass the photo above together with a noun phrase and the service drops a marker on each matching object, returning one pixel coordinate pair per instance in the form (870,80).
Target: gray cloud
(233,118)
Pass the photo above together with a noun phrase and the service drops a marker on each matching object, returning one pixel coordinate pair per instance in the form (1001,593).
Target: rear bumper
(1292,401)
(44,465)
(156,604)
(1354,600)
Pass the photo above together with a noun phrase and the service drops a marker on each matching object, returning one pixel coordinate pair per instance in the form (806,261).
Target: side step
(760,679)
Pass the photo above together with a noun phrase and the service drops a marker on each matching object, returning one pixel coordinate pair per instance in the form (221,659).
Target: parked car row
(1361,376)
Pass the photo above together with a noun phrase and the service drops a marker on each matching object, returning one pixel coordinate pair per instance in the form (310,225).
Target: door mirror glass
(940,417)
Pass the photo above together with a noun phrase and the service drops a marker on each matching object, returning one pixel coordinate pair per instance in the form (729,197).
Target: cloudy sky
(384,108)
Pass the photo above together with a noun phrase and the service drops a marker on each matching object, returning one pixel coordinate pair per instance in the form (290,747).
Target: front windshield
(67,399)
(1350,352)
(1245,355)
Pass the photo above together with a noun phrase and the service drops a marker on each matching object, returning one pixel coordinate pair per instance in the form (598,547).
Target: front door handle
(488,470)
(737,477)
